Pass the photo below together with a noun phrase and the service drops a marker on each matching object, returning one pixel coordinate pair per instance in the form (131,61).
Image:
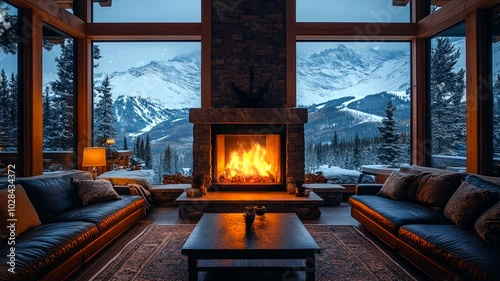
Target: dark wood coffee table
(276,241)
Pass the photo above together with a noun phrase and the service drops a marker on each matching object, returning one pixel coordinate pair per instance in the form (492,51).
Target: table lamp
(94,157)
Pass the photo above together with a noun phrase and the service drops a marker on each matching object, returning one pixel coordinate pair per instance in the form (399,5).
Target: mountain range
(345,90)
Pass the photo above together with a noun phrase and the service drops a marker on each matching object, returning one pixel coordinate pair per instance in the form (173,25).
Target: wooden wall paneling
(54,15)
(206,53)
(84,97)
(451,14)
(32,36)
(420,143)
(83,10)
(472,92)
(355,31)
(145,31)
(291,54)
(417,10)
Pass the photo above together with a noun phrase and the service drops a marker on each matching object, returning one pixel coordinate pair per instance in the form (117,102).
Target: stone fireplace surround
(287,121)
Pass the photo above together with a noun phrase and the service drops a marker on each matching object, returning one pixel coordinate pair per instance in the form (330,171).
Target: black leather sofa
(427,238)
(70,234)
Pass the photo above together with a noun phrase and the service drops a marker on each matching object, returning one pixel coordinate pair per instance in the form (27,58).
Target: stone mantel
(248,115)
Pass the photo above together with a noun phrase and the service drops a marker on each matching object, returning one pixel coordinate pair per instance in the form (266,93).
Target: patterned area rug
(347,255)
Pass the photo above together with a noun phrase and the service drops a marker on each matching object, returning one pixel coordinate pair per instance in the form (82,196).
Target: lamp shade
(94,157)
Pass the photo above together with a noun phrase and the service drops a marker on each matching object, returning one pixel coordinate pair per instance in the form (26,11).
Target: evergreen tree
(147,153)
(335,149)
(356,158)
(447,91)
(389,138)
(8,33)
(137,146)
(5,133)
(48,121)
(125,145)
(64,98)
(167,161)
(14,111)
(142,150)
(104,123)
(496,117)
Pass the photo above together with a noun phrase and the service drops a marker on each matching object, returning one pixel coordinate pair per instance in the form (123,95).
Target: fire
(248,165)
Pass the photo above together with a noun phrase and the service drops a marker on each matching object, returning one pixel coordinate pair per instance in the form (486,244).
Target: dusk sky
(119,56)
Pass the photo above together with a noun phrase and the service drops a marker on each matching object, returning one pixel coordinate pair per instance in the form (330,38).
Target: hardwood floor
(338,215)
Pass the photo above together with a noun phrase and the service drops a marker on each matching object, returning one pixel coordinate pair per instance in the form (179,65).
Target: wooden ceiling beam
(450,15)
(144,31)
(355,31)
(55,15)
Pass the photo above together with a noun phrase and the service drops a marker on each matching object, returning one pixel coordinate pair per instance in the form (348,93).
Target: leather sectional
(425,237)
(70,234)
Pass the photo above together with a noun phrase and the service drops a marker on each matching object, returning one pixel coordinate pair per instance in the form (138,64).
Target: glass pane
(9,93)
(59,101)
(353,11)
(147,11)
(447,99)
(358,99)
(142,93)
(496,90)
(436,5)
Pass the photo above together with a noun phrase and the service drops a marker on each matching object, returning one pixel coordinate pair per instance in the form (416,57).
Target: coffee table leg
(193,269)
(311,268)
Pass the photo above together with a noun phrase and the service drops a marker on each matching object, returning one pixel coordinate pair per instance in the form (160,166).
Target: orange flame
(249,163)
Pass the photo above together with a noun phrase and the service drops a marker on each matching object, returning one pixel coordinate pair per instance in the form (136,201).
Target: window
(435,5)
(142,93)
(9,91)
(447,99)
(353,11)
(59,101)
(358,99)
(496,88)
(147,11)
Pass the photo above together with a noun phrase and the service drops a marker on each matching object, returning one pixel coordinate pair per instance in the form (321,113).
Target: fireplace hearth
(242,149)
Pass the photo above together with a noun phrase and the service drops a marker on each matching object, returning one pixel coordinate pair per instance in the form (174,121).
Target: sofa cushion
(41,249)
(54,194)
(22,211)
(95,191)
(489,183)
(434,190)
(105,214)
(396,186)
(462,251)
(488,225)
(393,214)
(468,203)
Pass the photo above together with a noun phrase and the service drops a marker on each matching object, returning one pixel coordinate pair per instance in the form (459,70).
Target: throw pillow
(434,190)
(396,185)
(488,225)
(95,191)
(413,188)
(468,203)
(24,212)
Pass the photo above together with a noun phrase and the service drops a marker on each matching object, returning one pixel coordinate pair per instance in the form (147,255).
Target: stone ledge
(248,115)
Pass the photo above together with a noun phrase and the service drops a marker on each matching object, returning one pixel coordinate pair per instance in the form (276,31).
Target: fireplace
(241,149)
(247,157)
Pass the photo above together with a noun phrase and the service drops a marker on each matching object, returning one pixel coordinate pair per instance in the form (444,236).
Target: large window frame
(80,27)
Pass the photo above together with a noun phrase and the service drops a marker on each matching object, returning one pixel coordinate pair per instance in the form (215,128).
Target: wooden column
(84,97)
(32,35)
(419,144)
(478,94)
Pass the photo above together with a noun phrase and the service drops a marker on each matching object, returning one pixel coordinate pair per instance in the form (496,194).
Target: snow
(334,171)
(363,117)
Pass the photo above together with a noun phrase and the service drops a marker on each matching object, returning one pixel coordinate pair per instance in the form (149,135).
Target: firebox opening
(248,159)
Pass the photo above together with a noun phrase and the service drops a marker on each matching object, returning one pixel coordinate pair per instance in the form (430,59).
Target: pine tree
(142,149)
(105,118)
(496,117)
(64,98)
(167,161)
(147,153)
(137,146)
(5,134)
(8,31)
(14,111)
(356,155)
(125,145)
(447,91)
(389,138)
(49,133)
(335,149)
